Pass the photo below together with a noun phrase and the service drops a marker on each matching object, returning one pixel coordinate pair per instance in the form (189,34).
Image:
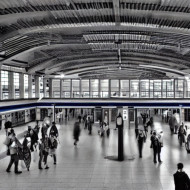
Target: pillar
(29,86)
(0,87)
(61,88)
(125,117)
(44,86)
(109,88)
(50,88)
(11,85)
(37,87)
(21,85)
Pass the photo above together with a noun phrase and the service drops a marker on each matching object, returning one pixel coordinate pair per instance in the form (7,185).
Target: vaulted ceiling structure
(97,38)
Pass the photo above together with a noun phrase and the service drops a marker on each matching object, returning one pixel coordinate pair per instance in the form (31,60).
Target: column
(99,88)
(0,87)
(50,88)
(21,86)
(109,88)
(11,85)
(61,87)
(125,117)
(29,86)
(80,90)
(44,86)
(37,86)
(90,92)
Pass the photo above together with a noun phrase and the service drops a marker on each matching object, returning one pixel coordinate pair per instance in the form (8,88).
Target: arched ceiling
(97,38)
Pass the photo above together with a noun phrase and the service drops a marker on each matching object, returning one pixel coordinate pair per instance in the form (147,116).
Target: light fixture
(62,75)
(187,77)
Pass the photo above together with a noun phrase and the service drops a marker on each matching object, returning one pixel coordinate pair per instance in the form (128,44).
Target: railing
(121,94)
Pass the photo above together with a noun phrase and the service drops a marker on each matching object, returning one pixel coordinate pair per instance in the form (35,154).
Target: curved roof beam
(55,68)
(74,69)
(94,68)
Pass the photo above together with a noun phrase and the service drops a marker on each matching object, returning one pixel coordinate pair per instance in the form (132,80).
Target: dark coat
(8,124)
(76,131)
(181,181)
(54,131)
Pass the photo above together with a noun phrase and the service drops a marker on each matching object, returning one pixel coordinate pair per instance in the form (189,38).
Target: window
(179,87)
(56,88)
(124,88)
(134,89)
(104,88)
(85,88)
(144,88)
(5,84)
(94,88)
(76,88)
(25,86)
(66,88)
(41,87)
(114,87)
(16,85)
(33,87)
(168,88)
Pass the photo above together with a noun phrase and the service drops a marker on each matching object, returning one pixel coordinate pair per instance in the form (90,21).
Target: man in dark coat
(8,125)
(76,132)
(181,179)
(156,147)
(53,131)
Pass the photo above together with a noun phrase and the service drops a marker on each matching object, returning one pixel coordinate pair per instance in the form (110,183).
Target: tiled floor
(85,167)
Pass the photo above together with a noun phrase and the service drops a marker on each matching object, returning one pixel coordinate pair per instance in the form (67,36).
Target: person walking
(151,124)
(76,132)
(34,138)
(14,154)
(181,179)
(156,145)
(54,131)
(8,125)
(44,130)
(53,147)
(141,138)
(89,124)
(172,122)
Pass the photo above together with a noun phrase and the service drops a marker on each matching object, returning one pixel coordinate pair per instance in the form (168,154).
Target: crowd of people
(44,146)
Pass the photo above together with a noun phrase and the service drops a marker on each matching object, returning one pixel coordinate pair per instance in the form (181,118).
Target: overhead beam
(116,10)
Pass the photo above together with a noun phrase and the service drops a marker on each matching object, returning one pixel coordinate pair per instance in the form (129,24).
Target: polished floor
(86,166)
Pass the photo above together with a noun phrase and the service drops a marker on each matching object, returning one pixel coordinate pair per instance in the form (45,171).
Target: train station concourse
(94,94)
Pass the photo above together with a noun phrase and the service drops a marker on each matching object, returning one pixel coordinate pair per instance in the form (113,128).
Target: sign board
(125,115)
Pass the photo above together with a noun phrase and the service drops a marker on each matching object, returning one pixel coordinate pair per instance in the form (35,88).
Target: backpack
(155,142)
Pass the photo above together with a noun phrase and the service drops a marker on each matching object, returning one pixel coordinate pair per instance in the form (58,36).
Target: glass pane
(179,88)
(104,88)
(76,88)
(114,87)
(124,88)
(4,83)
(85,88)
(94,88)
(134,89)
(25,86)
(16,85)
(41,87)
(56,88)
(66,87)
(144,86)
(33,87)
